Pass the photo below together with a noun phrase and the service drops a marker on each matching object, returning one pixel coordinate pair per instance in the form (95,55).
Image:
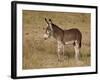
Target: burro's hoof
(60,60)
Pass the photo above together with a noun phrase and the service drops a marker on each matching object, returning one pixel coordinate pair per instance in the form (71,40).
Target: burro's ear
(50,24)
(46,21)
(50,21)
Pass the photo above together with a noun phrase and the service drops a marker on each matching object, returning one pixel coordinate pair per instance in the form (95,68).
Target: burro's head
(49,29)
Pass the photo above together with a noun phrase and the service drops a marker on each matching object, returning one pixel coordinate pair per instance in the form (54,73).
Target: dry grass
(38,53)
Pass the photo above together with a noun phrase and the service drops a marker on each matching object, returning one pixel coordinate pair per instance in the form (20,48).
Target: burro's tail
(80,44)
(80,40)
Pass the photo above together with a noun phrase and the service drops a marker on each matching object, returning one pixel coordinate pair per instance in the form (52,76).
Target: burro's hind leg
(77,51)
(77,54)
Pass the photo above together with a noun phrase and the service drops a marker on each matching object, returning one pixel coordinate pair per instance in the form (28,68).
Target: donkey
(71,36)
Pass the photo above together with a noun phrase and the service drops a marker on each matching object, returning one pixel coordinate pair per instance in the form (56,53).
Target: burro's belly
(70,42)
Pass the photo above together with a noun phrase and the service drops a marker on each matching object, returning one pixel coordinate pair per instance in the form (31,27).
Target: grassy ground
(40,53)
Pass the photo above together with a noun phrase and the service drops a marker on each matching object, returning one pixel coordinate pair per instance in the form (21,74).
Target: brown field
(40,53)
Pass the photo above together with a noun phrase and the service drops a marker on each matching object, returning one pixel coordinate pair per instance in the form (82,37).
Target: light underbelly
(70,42)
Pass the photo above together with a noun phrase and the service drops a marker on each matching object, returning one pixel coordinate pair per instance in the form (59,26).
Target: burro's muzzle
(45,36)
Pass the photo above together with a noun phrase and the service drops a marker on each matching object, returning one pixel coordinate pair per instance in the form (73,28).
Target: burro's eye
(48,31)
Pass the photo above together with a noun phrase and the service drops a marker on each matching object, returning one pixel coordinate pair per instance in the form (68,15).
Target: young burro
(71,36)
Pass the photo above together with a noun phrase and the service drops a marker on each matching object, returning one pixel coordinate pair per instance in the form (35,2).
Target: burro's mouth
(45,38)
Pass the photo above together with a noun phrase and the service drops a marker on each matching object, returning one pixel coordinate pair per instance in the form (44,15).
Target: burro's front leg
(60,50)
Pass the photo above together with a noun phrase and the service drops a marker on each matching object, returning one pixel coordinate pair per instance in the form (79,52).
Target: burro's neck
(58,33)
